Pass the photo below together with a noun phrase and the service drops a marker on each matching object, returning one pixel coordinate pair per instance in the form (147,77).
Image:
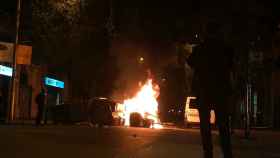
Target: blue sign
(54,83)
(6,71)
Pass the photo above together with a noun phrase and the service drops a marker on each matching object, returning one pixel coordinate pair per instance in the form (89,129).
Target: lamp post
(11,109)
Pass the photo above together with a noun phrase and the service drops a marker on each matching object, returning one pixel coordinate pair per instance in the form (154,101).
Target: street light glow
(141,60)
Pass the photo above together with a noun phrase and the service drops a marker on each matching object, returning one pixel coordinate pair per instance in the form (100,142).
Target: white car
(191,112)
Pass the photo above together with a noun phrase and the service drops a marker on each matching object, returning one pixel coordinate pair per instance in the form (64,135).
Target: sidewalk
(262,143)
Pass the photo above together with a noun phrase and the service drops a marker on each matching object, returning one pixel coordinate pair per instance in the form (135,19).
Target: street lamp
(141,60)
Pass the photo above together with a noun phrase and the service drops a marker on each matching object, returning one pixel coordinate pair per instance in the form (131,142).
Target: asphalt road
(120,142)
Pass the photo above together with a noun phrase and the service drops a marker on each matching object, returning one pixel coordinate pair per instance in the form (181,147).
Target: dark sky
(26,22)
(8,18)
(155,20)
(8,6)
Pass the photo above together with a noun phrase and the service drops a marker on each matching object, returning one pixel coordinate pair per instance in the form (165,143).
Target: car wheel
(135,119)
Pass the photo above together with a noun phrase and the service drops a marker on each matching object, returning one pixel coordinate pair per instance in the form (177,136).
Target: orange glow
(145,103)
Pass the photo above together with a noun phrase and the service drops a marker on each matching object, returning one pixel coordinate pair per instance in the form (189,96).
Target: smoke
(135,59)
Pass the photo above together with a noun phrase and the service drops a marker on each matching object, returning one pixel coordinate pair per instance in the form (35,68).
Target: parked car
(65,113)
(100,111)
(191,112)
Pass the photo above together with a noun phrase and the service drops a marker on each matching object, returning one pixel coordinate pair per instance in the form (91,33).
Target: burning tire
(135,120)
(148,123)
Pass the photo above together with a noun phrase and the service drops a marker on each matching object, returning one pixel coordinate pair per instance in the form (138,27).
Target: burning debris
(144,104)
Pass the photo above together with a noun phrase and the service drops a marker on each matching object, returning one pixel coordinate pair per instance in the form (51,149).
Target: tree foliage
(53,29)
(69,39)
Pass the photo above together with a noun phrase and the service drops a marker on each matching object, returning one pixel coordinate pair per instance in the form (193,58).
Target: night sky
(8,7)
(8,18)
(7,22)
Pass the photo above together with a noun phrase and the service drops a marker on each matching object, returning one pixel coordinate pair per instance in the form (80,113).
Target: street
(121,142)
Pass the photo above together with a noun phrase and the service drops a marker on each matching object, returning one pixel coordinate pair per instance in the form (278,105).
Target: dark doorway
(4,97)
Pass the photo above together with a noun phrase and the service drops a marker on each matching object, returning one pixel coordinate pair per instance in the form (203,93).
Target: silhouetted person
(40,101)
(212,63)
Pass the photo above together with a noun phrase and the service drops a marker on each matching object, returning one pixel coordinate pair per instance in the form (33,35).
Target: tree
(67,37)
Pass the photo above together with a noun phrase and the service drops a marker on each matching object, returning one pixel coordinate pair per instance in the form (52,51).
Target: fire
(145,103)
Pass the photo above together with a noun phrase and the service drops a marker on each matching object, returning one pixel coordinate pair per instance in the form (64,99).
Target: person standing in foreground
(40,101)
(212,65)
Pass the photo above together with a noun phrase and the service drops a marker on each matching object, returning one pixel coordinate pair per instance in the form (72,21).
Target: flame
(145,103)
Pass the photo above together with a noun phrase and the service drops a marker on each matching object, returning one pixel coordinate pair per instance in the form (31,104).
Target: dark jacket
(212,64)
(40,99)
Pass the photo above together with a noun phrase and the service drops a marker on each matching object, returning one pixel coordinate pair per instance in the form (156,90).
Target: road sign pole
(11,112)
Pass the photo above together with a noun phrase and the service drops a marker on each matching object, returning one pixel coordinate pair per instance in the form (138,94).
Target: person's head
(43,91)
